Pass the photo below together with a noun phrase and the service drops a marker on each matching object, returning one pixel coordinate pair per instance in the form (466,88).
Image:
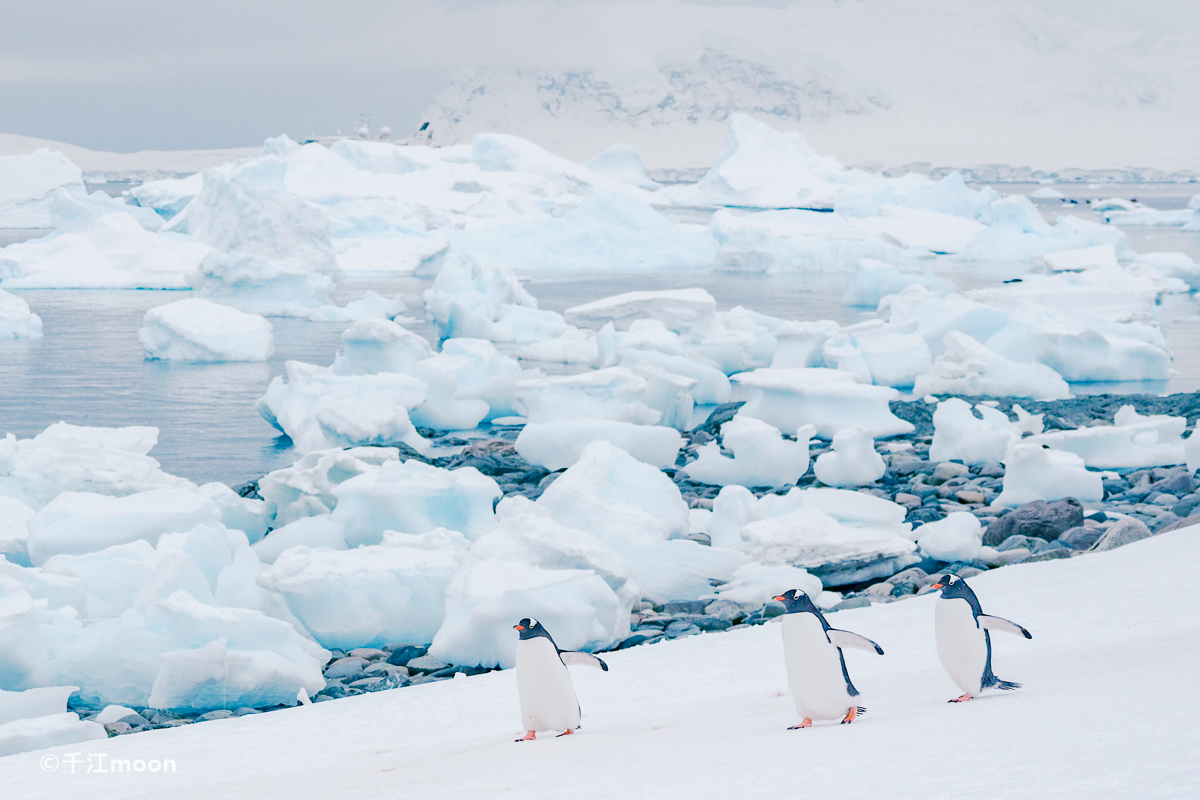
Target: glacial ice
(1035,472)
(852,461)
(1132,440)
(761,456)
(16,320)
(958,434)
(559,443)
(28,181)
(828,399)
(200,330)
(956,537)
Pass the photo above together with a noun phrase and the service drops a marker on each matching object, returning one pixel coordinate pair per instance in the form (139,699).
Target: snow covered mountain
(877,83)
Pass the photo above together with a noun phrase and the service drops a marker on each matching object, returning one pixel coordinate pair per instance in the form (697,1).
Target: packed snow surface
(687,716)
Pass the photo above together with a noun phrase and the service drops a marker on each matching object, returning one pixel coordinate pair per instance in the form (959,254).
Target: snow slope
(1107,711)
(1046,84)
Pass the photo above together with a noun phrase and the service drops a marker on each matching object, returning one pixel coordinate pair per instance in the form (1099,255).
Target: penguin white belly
(814,669)
(961,646)
(548,701)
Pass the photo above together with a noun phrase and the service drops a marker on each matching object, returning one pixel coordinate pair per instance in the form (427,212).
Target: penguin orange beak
(779,598)
(518,627)
(936,586)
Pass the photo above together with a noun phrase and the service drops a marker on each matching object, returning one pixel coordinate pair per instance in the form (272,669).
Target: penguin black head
(795,602)
(954,586)
(530,628)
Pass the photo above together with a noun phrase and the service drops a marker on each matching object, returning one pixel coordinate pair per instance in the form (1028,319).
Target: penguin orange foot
(852,714)
(567,732)
(964,698)
(528,737)
(806,724)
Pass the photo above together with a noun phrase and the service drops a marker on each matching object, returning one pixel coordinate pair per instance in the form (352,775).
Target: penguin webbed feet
(852,713)
(567,732)
(964,698)
(528,737)
(806,724)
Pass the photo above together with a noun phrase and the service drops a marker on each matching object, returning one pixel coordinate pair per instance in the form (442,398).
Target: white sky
(132,74)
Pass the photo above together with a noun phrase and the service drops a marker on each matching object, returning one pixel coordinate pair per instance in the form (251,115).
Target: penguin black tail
(861,710)
(1007,686)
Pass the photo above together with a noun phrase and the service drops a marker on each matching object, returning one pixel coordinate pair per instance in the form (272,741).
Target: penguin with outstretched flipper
(816,668)
(964,641)
(544,685)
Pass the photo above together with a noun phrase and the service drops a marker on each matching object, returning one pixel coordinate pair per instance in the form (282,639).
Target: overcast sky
(134,74)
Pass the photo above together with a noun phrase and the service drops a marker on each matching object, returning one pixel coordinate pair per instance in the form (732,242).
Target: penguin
(964,641)
(548,699)
(816,670)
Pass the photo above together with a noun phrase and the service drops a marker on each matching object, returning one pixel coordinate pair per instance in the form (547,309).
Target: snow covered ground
(1107,711)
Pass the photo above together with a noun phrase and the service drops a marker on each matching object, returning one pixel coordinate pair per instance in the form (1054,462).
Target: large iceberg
(199,330)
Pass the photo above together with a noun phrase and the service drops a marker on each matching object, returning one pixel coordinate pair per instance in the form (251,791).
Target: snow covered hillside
(1045,85)
(1107,711)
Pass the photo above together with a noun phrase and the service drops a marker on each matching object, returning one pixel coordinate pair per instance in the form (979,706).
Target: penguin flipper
(988,622)
(845,639)
(576,657)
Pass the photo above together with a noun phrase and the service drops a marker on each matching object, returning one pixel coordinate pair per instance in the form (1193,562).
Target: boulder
(1040,518)
(1122,533)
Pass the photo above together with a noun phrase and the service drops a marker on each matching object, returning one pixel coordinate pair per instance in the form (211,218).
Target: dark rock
(425,664)
(1014,542)
(1041,545)
(1186,505)
(725,609)
(1114,487)
(335,691)
(901,589)
(402,654)
(220,713)
(1178,483)
(1039,518)
(680,627)
(904,464)
(389,682)
(639,638)
(1050,555)
(851,602)
(677,607)
(246,712)
(1081,538)
(925,514)
(1163,521)
(991,470)
(1097,516)
(347,668)
(1122,532)
(1186,522)
(117,728)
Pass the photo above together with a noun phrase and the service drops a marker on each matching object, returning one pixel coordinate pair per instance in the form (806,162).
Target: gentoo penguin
(964,643)
(817,675)
(548,699)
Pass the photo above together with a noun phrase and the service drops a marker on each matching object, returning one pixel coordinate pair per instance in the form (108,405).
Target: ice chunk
(572,346)
(200,330)
(487,598)
(1035,472)
(51,730)
(24,660)
(112,578)
(377,345)
(801,344)
(462,379)
(853,460)
(85,522)
(761,456)
(168,196)
(27,181)
(1151,217)
(1132,440)
(1018,232)
(528,533)
(14,529)
(115,252)
(71,212)
(677,309)
(959,434)
(16,320)
(828,399)
(305,489)
(72,458)
(274,287)
(874,280)
(956,537)
(609,493)
(1102,256)
(367,596)
(243,513)
(33,703)
(680,569)
(313,532)
(970,368)
(711,386)
(878,352)
(755,583)
(1047,193)
(371,305)
(622,164)
(413,497)
(320,410)
(469,298)
(254,214)
(615,393)
(559,444)
(838,554)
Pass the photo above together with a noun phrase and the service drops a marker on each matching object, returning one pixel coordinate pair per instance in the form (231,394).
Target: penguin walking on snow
(816,669)
(544,685)
(964,641)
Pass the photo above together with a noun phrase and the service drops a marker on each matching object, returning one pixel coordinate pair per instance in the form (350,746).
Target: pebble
(425,663)
(948,470)
(970,496)
(347,667)
(402,654)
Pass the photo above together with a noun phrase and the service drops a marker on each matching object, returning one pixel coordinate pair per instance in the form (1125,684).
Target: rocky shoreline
(1137,503)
